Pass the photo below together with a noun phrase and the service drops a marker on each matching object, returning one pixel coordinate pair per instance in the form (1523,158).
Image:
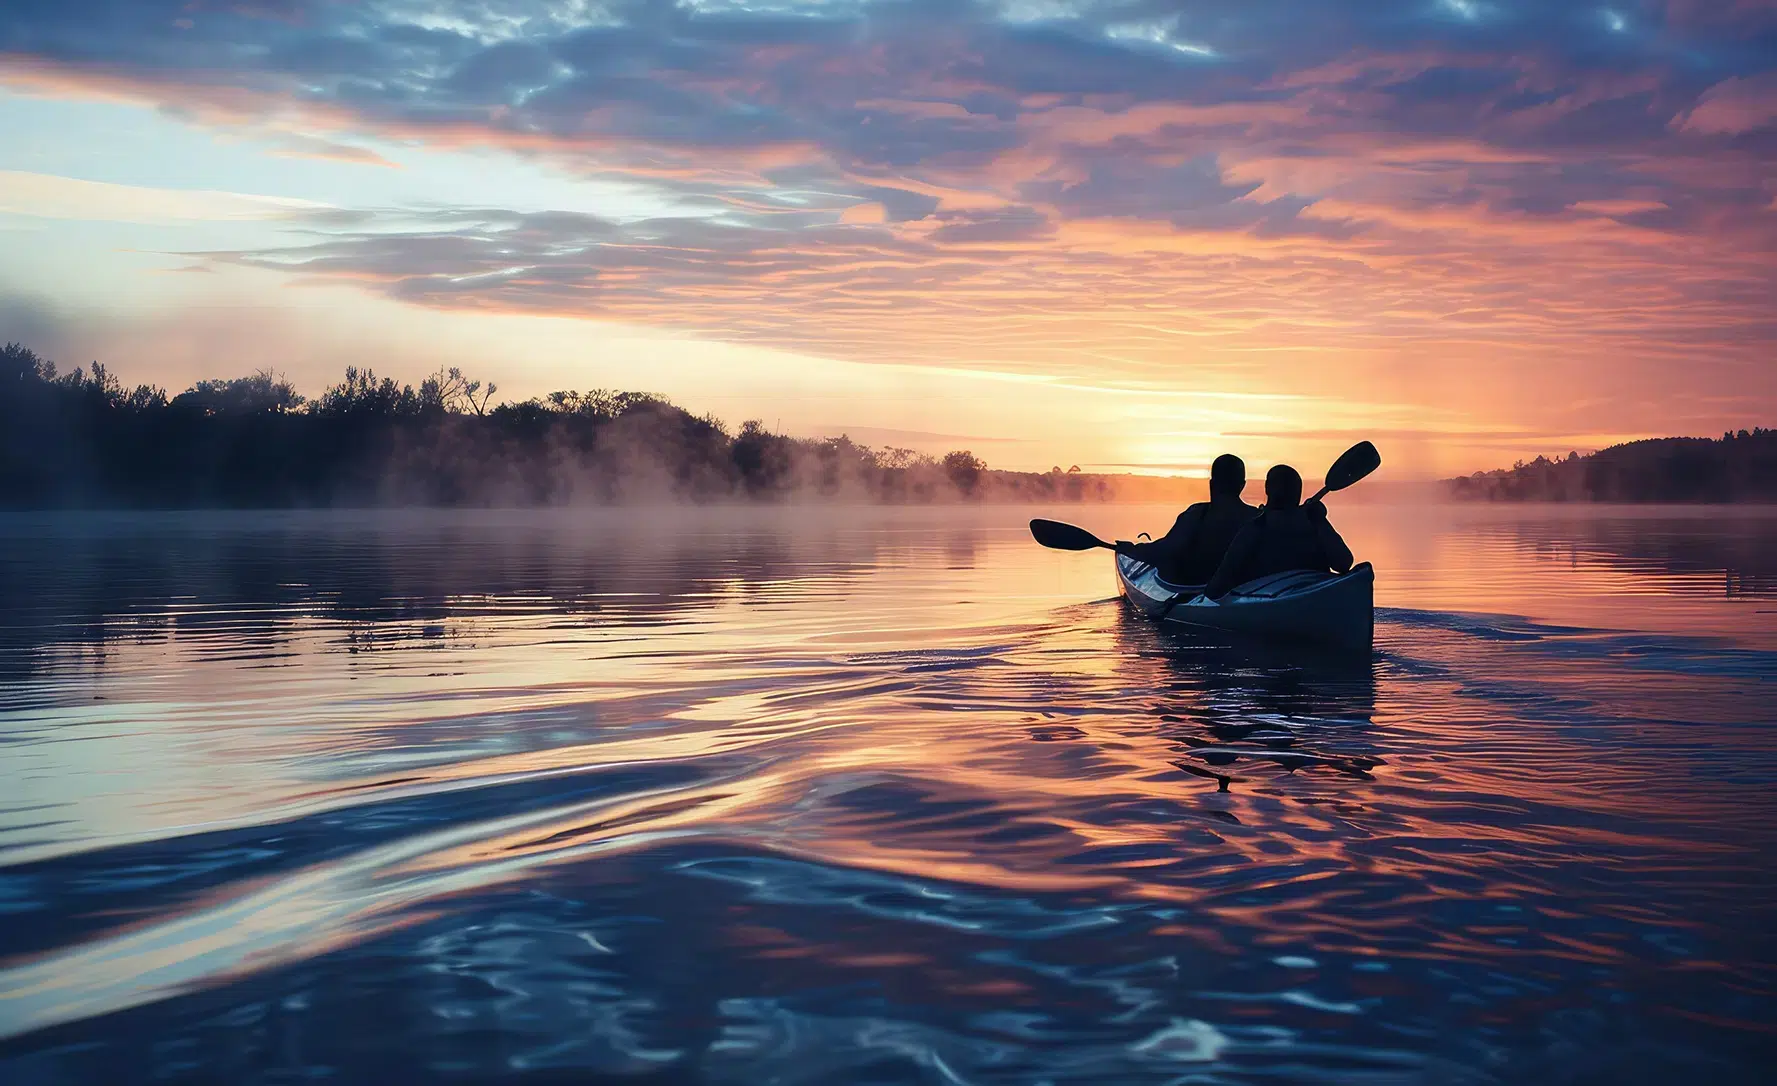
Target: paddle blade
(1064,537)
(1358,461)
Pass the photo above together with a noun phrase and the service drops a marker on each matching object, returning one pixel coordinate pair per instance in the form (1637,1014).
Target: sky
(1127,235)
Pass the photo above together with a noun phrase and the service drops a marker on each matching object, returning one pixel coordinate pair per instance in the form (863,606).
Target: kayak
(1301,605)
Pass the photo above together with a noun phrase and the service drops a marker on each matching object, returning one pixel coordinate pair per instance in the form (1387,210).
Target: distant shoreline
(1698,503)
(1097,490)
(790,508)
(1740,468)
(81,440)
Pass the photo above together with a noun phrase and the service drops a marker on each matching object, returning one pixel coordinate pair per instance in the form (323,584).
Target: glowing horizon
(1125,235)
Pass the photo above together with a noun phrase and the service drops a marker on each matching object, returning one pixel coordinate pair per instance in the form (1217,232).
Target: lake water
(877,796)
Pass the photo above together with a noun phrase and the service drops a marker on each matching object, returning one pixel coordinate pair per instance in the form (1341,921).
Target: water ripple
(458,798)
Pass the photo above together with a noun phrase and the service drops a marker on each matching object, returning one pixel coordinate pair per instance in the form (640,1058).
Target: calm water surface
(877,796)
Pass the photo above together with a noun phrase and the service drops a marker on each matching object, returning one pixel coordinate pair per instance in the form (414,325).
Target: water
(877,796)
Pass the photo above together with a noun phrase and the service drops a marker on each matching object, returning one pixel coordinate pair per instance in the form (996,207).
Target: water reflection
(867,796)
(1224,700)
(1725,552)
(98,578)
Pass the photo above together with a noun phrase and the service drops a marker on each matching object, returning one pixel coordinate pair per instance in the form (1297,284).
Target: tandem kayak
(1301,605)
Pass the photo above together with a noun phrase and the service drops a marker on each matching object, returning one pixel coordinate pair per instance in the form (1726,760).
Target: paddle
(1355,463)
(1065,537)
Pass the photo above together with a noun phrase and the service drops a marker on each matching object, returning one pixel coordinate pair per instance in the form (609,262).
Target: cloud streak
(50,197)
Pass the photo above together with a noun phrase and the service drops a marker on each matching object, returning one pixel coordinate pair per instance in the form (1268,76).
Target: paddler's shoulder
(1232,510)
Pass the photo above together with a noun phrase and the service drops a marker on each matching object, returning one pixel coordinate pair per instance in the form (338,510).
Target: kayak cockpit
(1297,605)
(1287,583)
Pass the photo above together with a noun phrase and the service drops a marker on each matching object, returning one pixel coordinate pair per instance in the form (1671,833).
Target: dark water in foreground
(877,797)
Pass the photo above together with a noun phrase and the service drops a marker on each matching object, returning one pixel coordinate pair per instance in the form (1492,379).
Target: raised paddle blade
(1358,461)
(1065,537)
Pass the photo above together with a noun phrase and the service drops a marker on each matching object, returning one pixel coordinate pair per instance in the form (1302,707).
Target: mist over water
(877,795)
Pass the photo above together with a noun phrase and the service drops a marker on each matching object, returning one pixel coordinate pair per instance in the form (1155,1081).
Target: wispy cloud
(48,196)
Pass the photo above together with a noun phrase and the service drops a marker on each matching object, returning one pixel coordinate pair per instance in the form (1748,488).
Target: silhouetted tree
(1742,466)
(19,364)
(964,470)
(262,392)
(82,439)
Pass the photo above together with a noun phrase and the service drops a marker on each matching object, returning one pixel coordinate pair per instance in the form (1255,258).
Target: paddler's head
(1227,476)
(1283,487)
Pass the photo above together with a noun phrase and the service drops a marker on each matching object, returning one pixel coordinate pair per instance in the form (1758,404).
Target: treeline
(81,439)
(1741,467)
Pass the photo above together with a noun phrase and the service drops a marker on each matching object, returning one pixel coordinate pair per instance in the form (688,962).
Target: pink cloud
(1734,106)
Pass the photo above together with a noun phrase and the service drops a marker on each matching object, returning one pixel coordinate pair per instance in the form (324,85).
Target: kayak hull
(1318,608)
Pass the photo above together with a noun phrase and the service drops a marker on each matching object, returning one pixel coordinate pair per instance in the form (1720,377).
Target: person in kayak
(1192,551)
(1287,534)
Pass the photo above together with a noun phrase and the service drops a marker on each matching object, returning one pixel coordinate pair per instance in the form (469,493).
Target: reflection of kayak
(1325,608)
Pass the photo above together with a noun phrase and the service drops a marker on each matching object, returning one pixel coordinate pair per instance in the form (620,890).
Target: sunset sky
(1127,235)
